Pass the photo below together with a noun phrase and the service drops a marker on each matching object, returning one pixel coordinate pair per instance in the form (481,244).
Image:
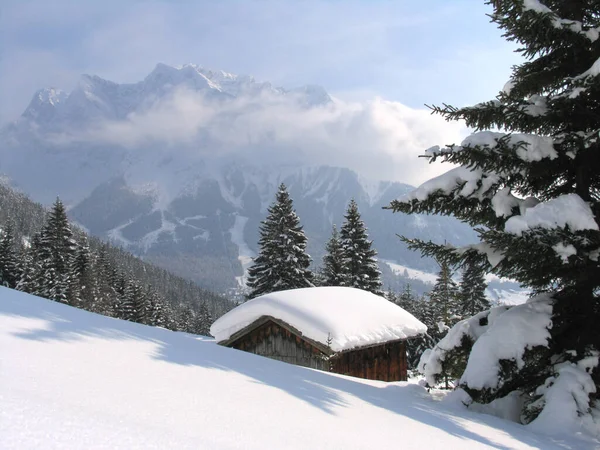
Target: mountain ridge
(194,206)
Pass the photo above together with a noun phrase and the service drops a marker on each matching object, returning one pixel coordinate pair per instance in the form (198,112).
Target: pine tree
(406,299)
(9,268)
(472,290)
(544,161)
(158,311)
(56,249)
(141,305)
(27,270)
(445,302)
(205,319)
(360,264)
(125,308)
(333,271)
(282,262)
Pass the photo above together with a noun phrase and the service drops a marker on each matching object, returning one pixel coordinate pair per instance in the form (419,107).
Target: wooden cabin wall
(385,362)
(274,341)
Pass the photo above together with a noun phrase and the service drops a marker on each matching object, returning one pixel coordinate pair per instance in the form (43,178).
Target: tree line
(61,263)
(441,308)
(350,260)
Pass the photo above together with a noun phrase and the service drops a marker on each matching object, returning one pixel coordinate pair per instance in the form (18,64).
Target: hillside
(28,217)
(72,379)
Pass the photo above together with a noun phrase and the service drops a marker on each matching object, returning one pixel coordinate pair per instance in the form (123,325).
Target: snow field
(72,379)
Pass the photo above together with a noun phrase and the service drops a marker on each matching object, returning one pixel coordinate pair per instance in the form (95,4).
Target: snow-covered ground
(72,379)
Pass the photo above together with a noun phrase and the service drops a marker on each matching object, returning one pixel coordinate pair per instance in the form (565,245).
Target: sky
(401,53)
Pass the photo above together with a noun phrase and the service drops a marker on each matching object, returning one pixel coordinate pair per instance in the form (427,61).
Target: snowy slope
(72,379)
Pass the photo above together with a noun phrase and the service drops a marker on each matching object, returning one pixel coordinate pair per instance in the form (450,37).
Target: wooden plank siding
(275,339)
(384,362)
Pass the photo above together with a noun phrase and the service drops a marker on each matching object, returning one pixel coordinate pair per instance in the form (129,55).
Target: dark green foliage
(361,269)
(555,94)
(444,304)
(418,307)
(472,290)
(333,271)
(64,264)
(9,267)
(54,254)
(282,262)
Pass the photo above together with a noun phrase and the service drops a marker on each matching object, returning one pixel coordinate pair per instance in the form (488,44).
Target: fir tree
(156,316)
(360,264)
(472,290)
(544,160)
(333,271)
(126,303)
(406,299)
(141,306)
(282,262)
(56,248)
(9,267)
(27,271)
(205,319)
(445,302)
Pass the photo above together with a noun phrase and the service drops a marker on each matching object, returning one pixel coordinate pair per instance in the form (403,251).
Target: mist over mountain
(181,166)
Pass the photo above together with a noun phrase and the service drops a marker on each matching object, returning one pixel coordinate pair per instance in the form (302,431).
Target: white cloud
(379,139)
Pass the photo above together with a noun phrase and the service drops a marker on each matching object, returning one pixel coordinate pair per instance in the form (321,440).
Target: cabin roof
(340,318)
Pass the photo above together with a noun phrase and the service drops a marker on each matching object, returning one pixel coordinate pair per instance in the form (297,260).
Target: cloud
(379,139)
(414,52)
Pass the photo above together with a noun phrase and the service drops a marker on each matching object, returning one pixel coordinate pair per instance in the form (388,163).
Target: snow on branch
(508,335)
(528,147)
(567,210)
(474,182)
(574,25)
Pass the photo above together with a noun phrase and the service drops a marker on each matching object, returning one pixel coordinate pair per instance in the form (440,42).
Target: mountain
(181,298)
(73,379)
(189,194)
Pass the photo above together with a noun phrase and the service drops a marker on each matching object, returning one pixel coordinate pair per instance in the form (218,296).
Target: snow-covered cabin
(338,329)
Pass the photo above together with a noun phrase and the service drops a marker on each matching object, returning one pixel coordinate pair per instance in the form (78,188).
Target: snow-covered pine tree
(141,305)
(282,262)
(406,299)
(55,252)
(361,270)
(472,290)
(27,271)
(156,316)
(125,308)
(444,300)
(205,319)
(333,271)
(532,191)
(9,267)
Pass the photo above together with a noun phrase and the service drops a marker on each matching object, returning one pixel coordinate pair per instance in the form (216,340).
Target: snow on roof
(348,317)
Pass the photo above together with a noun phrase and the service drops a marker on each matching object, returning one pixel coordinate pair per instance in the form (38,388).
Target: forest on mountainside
(94,275)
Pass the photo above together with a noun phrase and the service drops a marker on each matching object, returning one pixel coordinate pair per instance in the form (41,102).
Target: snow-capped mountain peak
(96,98)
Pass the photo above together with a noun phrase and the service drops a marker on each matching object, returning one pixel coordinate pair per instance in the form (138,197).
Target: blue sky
(412,52)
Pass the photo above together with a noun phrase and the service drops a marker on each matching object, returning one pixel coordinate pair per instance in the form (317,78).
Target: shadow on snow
(319,389)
